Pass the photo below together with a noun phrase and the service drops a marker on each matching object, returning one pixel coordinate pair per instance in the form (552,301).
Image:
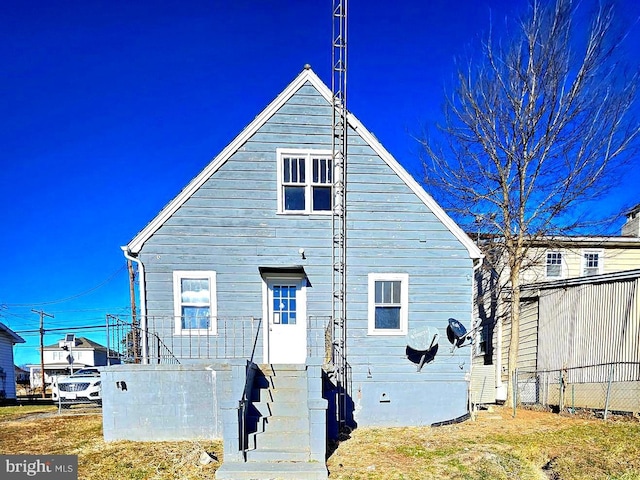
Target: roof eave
(15,338)
(438,211)
(135,245)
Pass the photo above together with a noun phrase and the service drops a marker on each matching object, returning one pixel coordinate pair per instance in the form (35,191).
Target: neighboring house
(583,334)
(8,338)
(22,376)
(549,261)
(250,238)
(67,355)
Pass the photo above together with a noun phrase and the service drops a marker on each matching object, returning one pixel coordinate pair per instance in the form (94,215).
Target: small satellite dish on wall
(456,333)
(423,339)
(422,345)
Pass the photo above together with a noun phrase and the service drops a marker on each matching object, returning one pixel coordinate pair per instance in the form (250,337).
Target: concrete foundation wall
(409,403)
(162,402)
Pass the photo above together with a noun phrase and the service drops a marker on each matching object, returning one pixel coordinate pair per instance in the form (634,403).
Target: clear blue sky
(108,109)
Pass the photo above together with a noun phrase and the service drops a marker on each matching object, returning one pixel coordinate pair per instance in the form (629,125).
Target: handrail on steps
(244,401)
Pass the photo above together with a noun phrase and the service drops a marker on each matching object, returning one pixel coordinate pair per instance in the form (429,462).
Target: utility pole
(134,316)
(42,315)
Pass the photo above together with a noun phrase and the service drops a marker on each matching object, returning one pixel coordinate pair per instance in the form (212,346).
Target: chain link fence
(604,388)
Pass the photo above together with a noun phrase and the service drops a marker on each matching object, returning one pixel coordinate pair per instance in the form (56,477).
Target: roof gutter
(143,301)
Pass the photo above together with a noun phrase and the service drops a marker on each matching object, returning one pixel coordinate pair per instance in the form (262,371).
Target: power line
(94,311)
(64,329)
(72,297)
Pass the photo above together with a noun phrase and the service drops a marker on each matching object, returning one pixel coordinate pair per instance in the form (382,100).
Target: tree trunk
(514,342)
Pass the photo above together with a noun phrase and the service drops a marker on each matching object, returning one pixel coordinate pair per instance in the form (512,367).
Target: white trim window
(305,181)
(388,303)
(194,302)
(592,262)
(554,265)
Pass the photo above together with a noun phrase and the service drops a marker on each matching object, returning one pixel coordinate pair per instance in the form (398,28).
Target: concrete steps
(270,470)
(280,446)
(283,440)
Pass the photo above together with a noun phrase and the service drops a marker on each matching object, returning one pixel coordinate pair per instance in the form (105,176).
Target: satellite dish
(423,339)
(456,332)
(457,328)
(422,345)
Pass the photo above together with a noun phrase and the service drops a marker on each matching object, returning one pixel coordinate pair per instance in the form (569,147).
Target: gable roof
(15,338)
(307,75)
(81,342)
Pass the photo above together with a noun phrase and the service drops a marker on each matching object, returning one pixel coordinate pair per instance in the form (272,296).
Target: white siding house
(8,339)
(85,353)
(553,263)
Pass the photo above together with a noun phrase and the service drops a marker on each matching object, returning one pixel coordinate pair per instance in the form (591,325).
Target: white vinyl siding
(7,378)
(194,301)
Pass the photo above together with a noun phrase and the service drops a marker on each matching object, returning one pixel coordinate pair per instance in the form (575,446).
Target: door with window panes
(286,332)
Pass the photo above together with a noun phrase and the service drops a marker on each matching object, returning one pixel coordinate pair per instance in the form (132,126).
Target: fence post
(560,394)
(608,397)
(547,383)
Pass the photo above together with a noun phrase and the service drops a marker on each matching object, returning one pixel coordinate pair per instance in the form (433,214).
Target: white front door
(286,326)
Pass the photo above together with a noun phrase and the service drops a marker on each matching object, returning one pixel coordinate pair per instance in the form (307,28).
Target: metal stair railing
(246,393)
(159,340)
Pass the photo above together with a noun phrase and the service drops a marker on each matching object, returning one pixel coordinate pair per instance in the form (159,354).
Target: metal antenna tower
(339,226)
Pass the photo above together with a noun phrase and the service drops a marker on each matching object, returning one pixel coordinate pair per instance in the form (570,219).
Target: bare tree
(535,129)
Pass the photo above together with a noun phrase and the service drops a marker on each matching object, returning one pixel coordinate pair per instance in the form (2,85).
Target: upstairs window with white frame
(194,302)
(592,262)
(305,180)
(554,265)
(388,303)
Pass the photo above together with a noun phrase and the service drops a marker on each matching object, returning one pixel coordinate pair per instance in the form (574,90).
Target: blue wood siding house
(250,237)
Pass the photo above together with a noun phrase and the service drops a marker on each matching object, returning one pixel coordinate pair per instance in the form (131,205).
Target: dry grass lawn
(534,445)
(41,430)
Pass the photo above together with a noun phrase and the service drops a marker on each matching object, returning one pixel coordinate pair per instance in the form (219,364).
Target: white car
(83,386)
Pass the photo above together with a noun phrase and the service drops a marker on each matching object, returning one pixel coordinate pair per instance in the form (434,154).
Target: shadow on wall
(336,432)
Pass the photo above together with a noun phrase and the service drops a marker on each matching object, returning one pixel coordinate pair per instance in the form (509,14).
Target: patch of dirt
(548,469)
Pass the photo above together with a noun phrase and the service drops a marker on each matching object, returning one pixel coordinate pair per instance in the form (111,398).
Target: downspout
(501,388)
(477,263)
(143,302)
